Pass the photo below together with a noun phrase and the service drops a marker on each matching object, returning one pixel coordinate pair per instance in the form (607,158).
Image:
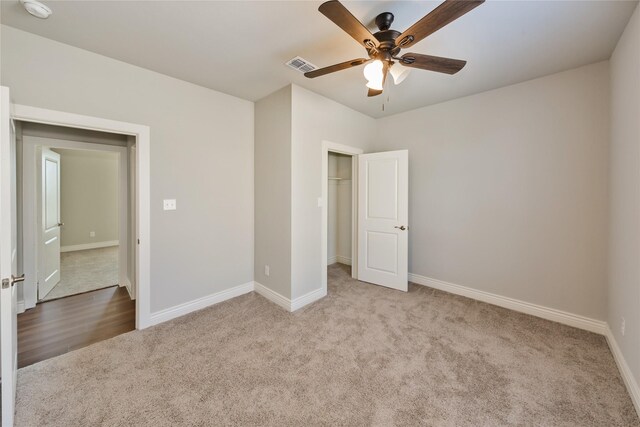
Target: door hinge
(138,241)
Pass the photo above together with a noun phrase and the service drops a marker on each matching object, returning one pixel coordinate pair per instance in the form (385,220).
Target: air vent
(301,65)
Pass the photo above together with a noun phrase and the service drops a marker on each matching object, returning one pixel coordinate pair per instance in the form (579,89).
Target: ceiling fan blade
(432,63)
(336,12)
(373,92)
(442,15)
(337,67)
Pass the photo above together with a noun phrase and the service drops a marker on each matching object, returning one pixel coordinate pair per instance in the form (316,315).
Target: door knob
(60,224)
(10,282)
(401,227)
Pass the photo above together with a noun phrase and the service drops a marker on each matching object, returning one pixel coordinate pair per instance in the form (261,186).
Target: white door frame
(333,147)
(31,203)
(8,262)
(143,203)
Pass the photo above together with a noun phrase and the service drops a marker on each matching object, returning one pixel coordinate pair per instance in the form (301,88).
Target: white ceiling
(240,47)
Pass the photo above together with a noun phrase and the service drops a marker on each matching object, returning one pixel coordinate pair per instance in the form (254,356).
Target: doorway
(339,215)
(76,232)
(77,217)
(139,137)
(79,195)
(339,208)
(379,215)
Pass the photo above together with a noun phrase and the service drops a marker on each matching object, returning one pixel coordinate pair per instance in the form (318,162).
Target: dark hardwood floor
(56,327)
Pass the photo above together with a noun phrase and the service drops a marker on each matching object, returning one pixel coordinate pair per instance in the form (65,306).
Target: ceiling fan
(384,46)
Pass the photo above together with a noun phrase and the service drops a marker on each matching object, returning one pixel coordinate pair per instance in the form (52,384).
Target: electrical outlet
(266,270)
(169,204)
(622,326)
(92,234)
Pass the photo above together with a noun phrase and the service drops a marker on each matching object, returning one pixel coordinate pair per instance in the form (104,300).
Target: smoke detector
(36,8)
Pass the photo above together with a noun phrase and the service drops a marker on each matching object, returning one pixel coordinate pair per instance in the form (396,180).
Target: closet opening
(339,213)
(339,201)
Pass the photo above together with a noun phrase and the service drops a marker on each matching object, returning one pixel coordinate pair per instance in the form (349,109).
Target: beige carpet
(84,271)
(364,355)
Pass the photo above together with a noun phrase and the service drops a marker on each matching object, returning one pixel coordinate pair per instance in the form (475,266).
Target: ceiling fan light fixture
(373,70)
(399,73)
(375,85)
(36,8)
(374,74)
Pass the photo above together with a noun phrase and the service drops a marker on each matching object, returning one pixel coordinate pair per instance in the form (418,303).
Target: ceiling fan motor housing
(387,47)
(386,38)
(384,20)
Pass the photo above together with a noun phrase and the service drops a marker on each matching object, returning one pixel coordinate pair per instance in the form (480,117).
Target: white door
(8,261)
(383,211)
(49,254)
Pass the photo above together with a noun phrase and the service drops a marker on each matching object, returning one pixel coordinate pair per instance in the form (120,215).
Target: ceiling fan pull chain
(383,103)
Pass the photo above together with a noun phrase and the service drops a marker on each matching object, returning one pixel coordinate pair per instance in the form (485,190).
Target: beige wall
(273,191)
(290,127)
(316,119)
(201,155)
(624,244)
(89,183)
(509,189)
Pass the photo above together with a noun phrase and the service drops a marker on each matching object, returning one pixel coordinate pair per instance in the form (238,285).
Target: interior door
(383,211)
(8,261)
(49,258)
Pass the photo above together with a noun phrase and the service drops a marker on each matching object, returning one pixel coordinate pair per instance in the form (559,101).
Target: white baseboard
(307,299)
(575,320)
(127,284)
(340,259)
(286,303)
(198,304)
(343,260)
(625,371)
(86,246)
(272,296)
(21,307)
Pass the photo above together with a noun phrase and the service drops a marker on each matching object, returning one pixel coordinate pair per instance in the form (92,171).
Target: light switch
(169,204)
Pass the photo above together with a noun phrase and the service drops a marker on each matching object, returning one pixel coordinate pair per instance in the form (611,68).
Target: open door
(8,261)
(49,222)
(383,211)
